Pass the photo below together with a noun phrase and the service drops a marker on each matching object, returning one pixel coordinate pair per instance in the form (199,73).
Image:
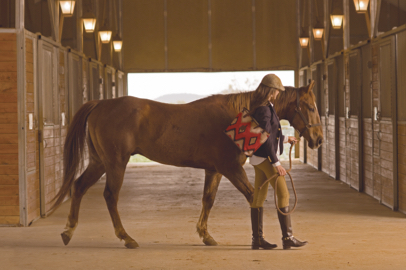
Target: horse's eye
(312,109)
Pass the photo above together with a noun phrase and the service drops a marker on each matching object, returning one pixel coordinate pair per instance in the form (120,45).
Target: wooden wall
(367,157)
(325,167)
(312,157)
(331,146)
(343,150)
(352,154)
(9,182)
(402,165)
(401,114)
(43,141)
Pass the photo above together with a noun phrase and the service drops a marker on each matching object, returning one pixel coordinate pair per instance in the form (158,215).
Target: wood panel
(312,159)
(343,148)
(9,187)
(352,154)
(402,166)
(331,145)
(325,167)
(401,114)
(386,162)
(367,156)
(302,143)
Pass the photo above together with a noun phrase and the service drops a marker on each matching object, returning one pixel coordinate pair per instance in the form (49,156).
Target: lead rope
(276,185)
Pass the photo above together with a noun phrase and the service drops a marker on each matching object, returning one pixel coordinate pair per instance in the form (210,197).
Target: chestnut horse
(187,135)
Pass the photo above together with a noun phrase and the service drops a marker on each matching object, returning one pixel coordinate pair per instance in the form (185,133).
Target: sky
(154,85)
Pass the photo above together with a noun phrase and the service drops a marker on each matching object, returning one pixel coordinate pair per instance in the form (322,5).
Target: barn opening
(185,87)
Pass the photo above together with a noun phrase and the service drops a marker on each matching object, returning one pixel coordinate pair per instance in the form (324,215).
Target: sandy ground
(160,206)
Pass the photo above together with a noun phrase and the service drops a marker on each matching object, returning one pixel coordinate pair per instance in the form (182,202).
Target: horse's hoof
(65,238)
(210,241)
(131,244)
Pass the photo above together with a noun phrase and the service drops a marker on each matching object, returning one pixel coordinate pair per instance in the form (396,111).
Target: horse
(183,135)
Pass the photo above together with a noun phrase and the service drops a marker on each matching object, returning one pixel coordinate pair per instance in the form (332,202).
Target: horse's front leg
(211,184)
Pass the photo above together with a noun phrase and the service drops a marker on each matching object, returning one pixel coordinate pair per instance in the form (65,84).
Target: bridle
(298,110)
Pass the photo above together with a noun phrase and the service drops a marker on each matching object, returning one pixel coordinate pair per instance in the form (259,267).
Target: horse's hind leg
(88,178)
(211,184)
(237,176)
(114,181)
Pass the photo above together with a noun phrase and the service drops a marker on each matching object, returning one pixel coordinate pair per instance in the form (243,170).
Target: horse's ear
(311,85)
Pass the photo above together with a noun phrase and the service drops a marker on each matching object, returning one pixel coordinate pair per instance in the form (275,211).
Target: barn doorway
(185,87)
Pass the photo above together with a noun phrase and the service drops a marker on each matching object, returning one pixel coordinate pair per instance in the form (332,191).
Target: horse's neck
(284,103)
(237,102)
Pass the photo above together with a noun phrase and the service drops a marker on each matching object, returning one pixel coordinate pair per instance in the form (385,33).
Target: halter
(299,110)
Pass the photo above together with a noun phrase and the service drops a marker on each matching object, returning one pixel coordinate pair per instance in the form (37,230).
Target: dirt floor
(160,206)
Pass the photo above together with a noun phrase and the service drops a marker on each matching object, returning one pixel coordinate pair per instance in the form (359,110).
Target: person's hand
(292,140)
(281,170)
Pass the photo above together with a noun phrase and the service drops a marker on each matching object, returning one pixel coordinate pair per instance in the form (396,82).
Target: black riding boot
(258,240)
(288,239)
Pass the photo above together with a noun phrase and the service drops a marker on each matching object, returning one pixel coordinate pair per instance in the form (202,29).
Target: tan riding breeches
(263,172)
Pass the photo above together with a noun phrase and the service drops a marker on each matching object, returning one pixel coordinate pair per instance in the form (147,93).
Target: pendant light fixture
(117,43)
(361,6)
(67,7)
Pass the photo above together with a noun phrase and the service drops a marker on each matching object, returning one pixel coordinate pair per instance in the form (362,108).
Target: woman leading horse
(187,135)
(266,165)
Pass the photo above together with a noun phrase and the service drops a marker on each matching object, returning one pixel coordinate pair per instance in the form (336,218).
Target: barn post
(19,23)
(79,25)
(346,24)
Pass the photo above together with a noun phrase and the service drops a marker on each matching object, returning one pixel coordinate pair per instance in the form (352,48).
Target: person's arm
(263,116)
(277,165)
(271,152)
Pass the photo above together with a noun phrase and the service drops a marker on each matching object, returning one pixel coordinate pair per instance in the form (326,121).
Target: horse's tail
(73,150)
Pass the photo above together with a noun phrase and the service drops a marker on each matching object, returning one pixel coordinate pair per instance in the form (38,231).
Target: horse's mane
(240,100)
(285,97)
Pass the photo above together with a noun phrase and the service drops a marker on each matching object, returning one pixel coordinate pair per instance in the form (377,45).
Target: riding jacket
(269,121)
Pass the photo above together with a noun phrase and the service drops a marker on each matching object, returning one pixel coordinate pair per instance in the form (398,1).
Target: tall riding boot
(258,240)
(287,237)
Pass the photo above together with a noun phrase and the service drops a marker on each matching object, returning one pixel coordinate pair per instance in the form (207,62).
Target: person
(266,164)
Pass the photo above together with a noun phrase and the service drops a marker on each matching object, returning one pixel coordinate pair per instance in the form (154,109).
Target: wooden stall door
(367,134)
(120,84)
(77,91)
(313,155)
(302,145)
(94,81)
(109,91)
(319,98)
(401,113)
(383,150)
(325,165)
(329,153)
(352,120)
(341,139)
(49,128)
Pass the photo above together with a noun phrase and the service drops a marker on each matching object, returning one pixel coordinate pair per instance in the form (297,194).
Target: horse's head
(298,106)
